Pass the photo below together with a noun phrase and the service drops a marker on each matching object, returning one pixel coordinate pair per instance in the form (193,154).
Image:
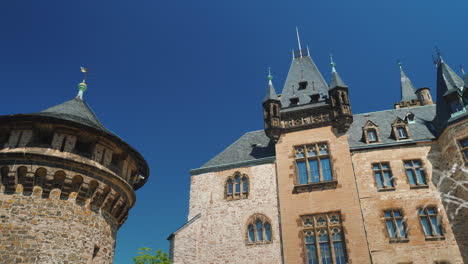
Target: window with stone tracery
(323,238)
(313,163)
(237,187)
(259,230)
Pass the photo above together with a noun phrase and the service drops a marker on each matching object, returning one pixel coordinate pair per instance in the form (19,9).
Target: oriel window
(313,163)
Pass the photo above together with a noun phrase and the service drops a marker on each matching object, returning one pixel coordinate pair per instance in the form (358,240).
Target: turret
(424,96)
(271,111)
(73,180)
(342,116)
(409,96)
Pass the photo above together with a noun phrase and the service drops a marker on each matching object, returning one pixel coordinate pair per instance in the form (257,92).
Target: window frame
(438,218)
(370,126)
(398,238)
(252,225)
(463,149)
(321,171)
(314,228)
(400,124)
(414,169)
(382,175)
(236,185)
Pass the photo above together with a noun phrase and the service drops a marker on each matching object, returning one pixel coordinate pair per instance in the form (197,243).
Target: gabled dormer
(400,130)
(370,132)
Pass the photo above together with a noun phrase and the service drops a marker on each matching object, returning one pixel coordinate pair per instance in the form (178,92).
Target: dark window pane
(411,178)
(401,227)
(426,226)
(435,225)
(388,179)
(237,184)
(301,167)
(325,253)
(251,233)
(245,184)
(376,167)
(267,232)
(420,175)
(312,254)
(229,187)
(314,170)
(326,169)
(339,253)
(391,228)
(388,214)
(259,227)
(378,178)
(464,142)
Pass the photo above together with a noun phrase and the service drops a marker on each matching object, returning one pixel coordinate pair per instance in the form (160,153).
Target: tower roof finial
(269,77)
(299,41)
(439,54)
(332,63)
(82,85)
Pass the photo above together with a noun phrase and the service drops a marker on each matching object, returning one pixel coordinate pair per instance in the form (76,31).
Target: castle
(321,185)
(67,185)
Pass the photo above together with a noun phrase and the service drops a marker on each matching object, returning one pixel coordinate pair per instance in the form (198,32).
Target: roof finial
(332,63)
(270,77)
(399,64)
(299,41)
(82,85)
(439,54)
(462,70)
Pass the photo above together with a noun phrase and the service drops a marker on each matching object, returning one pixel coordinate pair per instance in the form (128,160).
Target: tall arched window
(259,230)
(236,187)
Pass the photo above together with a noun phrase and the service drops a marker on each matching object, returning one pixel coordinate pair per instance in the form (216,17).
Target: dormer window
(372,135)
(314,98)
(400,129)
(294,101)
(302,85)
(402,134)
(371,132)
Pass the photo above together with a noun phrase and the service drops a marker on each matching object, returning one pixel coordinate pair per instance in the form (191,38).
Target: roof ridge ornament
(82,87)
(332,63)
(269,77)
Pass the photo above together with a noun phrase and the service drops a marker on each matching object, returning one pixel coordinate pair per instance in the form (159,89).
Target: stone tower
(67,185)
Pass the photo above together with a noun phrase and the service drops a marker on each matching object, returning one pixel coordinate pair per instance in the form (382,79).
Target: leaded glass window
(324,239)
(396,225)
(415,172)
(313,163)
(383,175)
(259,230)
(237,187)
(430,221)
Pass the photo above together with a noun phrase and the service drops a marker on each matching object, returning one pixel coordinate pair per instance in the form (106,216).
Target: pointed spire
(271,93)
(82,85)
(299,41)
(408,92)
(336,80)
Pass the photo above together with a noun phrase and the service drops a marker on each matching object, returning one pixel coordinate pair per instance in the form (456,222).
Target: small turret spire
(271,93)
(299,41)
(82,87)
(408,92)
(336,80)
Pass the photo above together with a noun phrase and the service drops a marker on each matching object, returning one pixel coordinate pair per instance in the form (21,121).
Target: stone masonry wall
(220,234)
(417,249)
(53,231)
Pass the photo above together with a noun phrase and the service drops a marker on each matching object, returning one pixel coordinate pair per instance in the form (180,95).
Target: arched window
(259,230)
(236,187)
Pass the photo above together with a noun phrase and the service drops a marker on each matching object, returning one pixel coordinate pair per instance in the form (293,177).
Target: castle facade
(321,185)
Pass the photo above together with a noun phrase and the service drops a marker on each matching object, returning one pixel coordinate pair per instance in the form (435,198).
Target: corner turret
(341,115)
(271,111)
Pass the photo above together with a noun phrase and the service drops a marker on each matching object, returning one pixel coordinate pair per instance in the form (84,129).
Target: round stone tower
(67,185)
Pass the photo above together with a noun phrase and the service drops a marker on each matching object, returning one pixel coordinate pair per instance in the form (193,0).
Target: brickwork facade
(219,235)
(415,248)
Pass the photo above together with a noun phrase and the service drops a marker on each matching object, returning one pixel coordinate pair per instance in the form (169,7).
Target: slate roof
(252,147)
(75,110)
(256,148)
(271,93)
(303,69)
(420,130)
(336,80)
(406,87)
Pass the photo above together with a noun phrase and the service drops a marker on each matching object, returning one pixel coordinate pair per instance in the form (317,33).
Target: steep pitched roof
(336,80)
(253,147)
(303,69)
(75,110)
(421,129)
(406,87)
(271,93)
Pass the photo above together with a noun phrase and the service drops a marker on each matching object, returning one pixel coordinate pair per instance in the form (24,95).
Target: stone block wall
(53,231)
(219,235)
(417,249)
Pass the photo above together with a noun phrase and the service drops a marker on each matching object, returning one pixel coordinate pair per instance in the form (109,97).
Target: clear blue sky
(181,80)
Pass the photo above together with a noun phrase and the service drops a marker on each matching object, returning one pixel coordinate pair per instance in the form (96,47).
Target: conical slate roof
(271,93)
(336,80)
(406,87)
(75,110)
(303,69)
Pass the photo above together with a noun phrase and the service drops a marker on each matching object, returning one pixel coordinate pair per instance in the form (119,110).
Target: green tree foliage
(146,256)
